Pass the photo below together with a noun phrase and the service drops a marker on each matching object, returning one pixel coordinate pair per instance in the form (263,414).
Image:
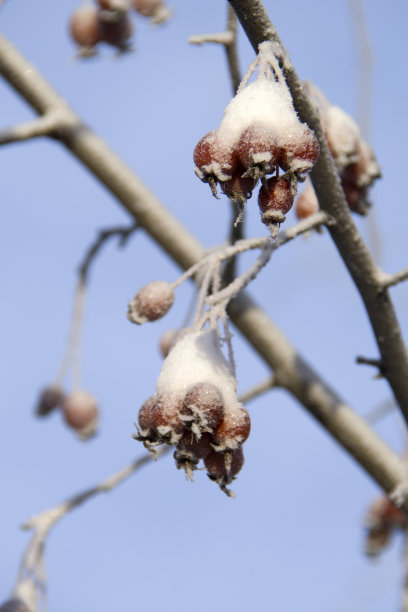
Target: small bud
(151,302)
(80,412)
(50,398)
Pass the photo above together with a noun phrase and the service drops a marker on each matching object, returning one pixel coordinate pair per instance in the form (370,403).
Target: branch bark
(291,371)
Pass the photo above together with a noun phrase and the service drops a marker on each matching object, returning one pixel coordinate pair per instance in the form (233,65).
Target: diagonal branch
(291,371)
(344,233)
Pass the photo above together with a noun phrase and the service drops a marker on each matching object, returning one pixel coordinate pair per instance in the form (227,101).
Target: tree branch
(344,233)
(291,371)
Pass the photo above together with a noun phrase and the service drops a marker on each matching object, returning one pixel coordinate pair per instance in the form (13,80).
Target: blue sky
(293,538)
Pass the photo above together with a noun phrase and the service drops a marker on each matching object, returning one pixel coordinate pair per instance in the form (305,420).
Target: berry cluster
(383,519)
(195,408)
(79,409)
(354,159)
(259,134)
(110,22)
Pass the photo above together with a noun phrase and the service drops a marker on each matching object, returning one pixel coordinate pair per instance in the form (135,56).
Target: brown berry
(275,199)
(80,412)
(50,398)
(84,26)
(196,448)
(115,28)
(306,203)
(234,428)
(165,416)
(151,302)
(223,467)
(203,408)
(257,147)
(145,420)
(356,197)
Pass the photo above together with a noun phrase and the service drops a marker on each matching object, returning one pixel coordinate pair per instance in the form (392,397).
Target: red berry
(223,467)
(165,417)
(84,26)
(146,421)
(238,188)
(203,408)
(151,302)
(195,448)
(80,412)
(214,159)
(234,428)
(300,150)
(258,146)
(115,28)
(50,398)
(275,199)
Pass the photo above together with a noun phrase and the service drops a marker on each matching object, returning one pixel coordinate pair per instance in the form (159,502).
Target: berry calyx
(151,302)
(239,187)
(223,467)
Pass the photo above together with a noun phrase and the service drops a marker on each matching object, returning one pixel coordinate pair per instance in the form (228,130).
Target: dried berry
(50,398)
(151,302)
(115,28)
(258,149)
(234,428)
(145,420)
(275,199)
(203,408)
(223,467)
(14,605)
(165,416)
(80,412)
(84,26)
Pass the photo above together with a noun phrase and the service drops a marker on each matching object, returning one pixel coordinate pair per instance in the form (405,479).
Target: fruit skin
(258,146)
(80,411)
(84,26)
(223,467)
(299,152)
(145,420)
(191,447)
(214,160)
(115,28)
(233,430)
(275,199)
(203,408)
(50,398)
(306,203)
(239,188)
(151,302)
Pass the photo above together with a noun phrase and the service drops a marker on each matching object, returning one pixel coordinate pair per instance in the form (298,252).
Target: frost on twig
(31,580)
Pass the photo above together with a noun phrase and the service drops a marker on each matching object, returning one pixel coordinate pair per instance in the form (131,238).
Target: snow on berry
(151,302)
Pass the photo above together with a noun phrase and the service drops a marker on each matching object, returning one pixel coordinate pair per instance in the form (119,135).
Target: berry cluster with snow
(196,409)
(259,135)
(354,159)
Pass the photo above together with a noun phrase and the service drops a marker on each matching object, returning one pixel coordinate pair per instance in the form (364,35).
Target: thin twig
(257,390)
(389,280)
(46,125)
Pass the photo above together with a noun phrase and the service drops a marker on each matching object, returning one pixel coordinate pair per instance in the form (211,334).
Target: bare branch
(291,371)
(222,38)
(257,390)
(389,280)
(344,233)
